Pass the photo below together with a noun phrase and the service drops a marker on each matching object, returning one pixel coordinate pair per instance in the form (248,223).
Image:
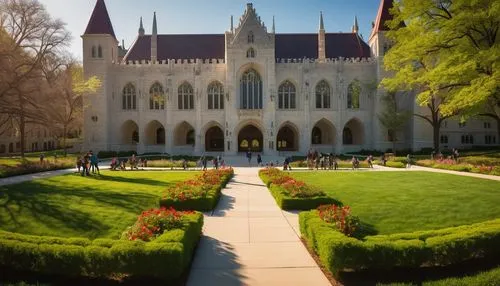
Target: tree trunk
(435,128)
(64,140)
(22,129)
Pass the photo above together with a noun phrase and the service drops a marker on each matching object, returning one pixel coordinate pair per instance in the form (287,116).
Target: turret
(321,39)
(154,40)
(141,29)
(355,27)
(99,40)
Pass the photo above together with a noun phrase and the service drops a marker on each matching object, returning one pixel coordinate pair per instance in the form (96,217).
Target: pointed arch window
(250,90)
(353,94)
(323,95)
(251,53)
(129,97)
(185,99)
(156,97)
(286,95)
(99,52)
(250,37)
(94,52)
(215,95)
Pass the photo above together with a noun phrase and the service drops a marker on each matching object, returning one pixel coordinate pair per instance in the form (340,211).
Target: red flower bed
(293,187)
(340,217)
(153,223)
(199,186)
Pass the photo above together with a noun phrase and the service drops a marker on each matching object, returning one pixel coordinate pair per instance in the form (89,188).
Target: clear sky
(213,17)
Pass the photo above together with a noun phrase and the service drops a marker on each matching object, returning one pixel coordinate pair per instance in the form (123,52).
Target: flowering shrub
(340,217)
(293,187)
(154,222)
(199,186)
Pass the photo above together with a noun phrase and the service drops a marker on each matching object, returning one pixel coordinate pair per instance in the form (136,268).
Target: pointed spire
(274,26)
(355,27)
(123,44)
(141,28)
(100,23)
(232,27)
(155,28)
(321,25)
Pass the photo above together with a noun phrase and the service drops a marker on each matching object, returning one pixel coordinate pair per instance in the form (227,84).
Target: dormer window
(99,52)
(250,37)
(94,53)
(251,53)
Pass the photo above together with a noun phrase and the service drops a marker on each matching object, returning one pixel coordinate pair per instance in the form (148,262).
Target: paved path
(248,240)
(30,177)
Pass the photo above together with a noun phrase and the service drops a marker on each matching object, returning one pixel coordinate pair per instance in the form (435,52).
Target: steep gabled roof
(383,15)
(100,22)
(287,46)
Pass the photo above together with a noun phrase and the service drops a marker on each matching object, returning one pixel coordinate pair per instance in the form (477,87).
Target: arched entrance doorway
(214,139)
(287,139)
(250,138)
(184,135)
(155,133)
(323,133)
(353,133)
(130,133)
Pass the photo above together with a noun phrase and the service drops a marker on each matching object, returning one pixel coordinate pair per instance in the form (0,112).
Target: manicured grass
(71,205)
(394,202)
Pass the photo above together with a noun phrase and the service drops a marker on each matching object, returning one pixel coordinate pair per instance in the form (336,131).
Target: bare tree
(30,40)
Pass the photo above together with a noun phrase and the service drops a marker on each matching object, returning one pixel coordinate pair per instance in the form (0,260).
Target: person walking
(94,163)
(79,163)
(204,163)
(249,157)
(370,161)
(408,161)
(259,160)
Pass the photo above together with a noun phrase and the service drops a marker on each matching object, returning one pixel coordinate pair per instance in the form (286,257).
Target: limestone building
(248,88)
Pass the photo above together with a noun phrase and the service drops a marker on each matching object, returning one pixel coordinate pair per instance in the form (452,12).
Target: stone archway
(214,139)
(184,134)
(353,132)
(250,138)
(155,133)
(323,133)
(287,138)
(130,132)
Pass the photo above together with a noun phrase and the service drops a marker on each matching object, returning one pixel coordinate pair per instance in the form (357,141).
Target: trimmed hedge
(424,248)
(286,202)
(167,257)
(206,203)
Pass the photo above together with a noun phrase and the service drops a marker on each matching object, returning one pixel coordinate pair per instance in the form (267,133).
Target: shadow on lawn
(142,181)
(48,205)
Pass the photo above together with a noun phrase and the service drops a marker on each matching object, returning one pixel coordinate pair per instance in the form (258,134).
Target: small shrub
(340,216)
(152,223)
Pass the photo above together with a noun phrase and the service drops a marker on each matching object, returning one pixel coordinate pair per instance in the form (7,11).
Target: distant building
(248,89)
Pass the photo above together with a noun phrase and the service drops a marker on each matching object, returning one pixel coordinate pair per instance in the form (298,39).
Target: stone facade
(129,114)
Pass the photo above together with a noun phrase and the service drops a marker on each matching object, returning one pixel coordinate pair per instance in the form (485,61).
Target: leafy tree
(392,118)
(68,87)
(461,38)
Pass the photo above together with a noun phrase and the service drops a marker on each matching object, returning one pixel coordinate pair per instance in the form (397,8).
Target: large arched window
(185,98)
(129,97)
(215,95)
(251,53)
(156,97)
(94,52)
(99,51)
(353,92)
(286,95)
(250,90)
(322,95)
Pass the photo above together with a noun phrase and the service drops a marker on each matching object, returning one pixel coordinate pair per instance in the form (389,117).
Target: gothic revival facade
(247,89)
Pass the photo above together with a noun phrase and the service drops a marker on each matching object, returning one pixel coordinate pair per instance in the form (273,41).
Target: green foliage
(448,51)
(442,247)
(392,118)
(166,258)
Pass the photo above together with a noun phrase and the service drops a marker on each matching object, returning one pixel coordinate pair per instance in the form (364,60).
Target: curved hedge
(423,248)
(167,257)
(206,203)
(287,202)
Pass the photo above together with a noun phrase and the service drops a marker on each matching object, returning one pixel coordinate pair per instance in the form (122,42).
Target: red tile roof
(99,22)
(383,15)
(287,46)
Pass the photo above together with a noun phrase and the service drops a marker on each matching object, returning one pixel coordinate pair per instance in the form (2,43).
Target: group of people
(217,162)
(133,161)
(87,163)
(316,160)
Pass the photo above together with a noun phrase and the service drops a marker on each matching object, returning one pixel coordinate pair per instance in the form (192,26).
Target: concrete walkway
(248,240)
(34,176)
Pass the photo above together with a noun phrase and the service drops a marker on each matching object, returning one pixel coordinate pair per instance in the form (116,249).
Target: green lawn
(394,202)
(71,205)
